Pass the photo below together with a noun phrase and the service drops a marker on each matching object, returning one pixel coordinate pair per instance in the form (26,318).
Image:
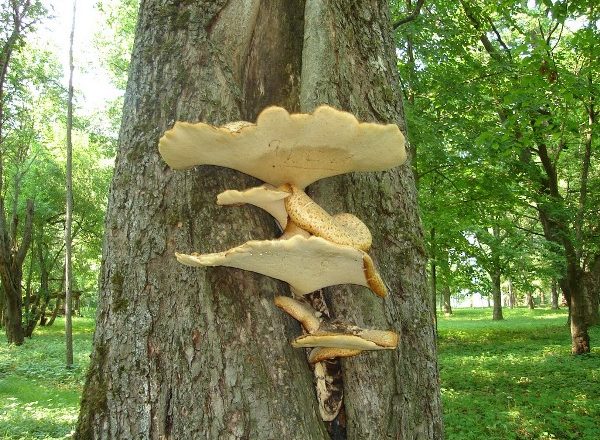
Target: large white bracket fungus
(332,340)
(289,152)
(298,149)
(335,334)
(266,197)
(306,264)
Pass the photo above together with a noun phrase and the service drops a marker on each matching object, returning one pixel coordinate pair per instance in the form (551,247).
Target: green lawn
(516,379)
(506,380)
(39,397)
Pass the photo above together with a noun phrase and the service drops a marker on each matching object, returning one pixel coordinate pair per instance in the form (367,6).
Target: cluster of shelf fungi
(316,249)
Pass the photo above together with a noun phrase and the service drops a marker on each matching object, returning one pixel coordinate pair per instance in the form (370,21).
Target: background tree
(508,89)
(184,333)
(17,17)
(69,205)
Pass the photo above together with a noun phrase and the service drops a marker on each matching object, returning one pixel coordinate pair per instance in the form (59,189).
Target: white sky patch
(91,81)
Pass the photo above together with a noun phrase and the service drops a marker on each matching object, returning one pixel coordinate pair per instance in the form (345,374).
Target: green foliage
(515,379)
(488,87)
(39,398)
(32,154)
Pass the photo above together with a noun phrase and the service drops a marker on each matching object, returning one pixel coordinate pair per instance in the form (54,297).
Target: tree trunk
(497,297)
(69,207)
(12,256)
(13,313)
(591,283)
(554,294)
(56,310)
(512,298)
(202,353)
(447,303)
(530,303)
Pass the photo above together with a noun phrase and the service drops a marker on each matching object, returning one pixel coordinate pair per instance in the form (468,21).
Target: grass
(508,380)
(515,379)
(39,397)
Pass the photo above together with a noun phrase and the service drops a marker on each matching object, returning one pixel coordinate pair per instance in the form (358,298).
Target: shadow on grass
(39,397)
(505,381)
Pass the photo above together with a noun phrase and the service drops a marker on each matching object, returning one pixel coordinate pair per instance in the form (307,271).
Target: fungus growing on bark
(320,354)
(280,148)
(333,340)
(289,152)
(266,197)
(289,203)
(306,264)
(336,334)
(342,228)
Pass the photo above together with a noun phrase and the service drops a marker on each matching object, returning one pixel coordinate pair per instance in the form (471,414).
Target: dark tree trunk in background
(554,294)
(592,286)
(187,353)
(512,298)
(447,300)
(497,297)
(12,255)
(530,303)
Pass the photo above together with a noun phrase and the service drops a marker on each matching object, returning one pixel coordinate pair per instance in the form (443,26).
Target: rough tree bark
(69,206)
(190,353)
(497,296)
(554,287)
(447,300)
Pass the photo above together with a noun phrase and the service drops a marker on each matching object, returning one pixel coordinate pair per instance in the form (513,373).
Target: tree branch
(499,38)
(27,234)
(412,16)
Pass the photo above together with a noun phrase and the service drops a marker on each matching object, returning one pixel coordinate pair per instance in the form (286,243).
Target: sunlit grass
(39,397)
(515,379)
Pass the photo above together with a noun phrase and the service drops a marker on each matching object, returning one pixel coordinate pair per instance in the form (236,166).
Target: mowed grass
(515,379)
(39,397)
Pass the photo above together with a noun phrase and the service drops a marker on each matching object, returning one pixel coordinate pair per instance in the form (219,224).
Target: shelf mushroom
(333,340)
(306,264)
(288,152)
(266,197)
(335,334)
(280,148)
(288,203)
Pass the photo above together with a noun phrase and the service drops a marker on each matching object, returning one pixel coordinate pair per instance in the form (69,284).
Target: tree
(69,206)
(17,18)
(513,84)
(187,353)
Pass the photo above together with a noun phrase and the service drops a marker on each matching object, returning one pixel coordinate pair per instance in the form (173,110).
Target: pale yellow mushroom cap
(301,312)
(282,148)
(266,197)
(307,264)
(351,338)
(320,354)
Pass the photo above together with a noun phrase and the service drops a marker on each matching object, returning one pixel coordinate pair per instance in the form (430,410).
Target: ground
(513,379)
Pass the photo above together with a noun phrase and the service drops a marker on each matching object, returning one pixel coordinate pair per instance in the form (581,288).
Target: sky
(91,82)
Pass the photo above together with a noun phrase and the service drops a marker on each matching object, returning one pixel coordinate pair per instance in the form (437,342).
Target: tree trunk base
(580,344)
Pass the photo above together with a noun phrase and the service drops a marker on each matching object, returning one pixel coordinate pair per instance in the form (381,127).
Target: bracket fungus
(306,264)
(334,334)
(289,152)
(298,149)
(266,197)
